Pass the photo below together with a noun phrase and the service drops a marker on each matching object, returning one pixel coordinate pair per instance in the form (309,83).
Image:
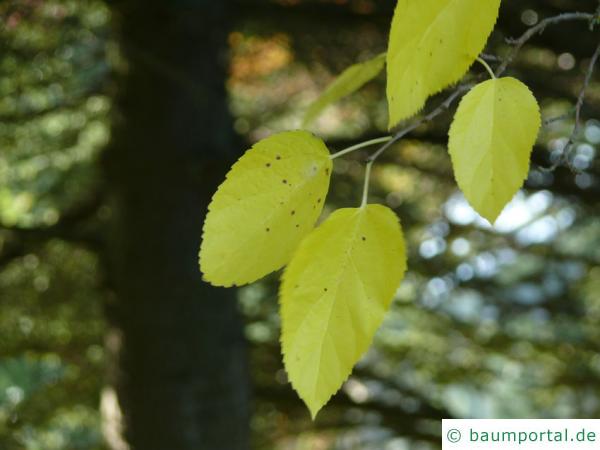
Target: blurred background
(117,121)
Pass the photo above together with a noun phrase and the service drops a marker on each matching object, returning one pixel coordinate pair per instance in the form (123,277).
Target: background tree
(181,367)
(488,323)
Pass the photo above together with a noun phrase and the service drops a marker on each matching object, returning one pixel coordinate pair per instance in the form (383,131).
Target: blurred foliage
(51,365)
(489,322)
(53,122)
(53,108)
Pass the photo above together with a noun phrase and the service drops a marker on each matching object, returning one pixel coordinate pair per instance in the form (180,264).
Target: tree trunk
(181,378)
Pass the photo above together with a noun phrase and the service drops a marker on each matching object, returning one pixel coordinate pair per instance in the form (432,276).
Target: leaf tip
(491,214)
(314,410)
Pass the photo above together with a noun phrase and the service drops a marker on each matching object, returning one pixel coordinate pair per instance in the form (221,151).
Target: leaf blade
(349,81)
(333,297)
(270,199)
(432,44)
(490,143)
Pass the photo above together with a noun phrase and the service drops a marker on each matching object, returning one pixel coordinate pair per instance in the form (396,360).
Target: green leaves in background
(349,81)
(432,44)
(334,295)
(491,140)
(270,200)
(21,377)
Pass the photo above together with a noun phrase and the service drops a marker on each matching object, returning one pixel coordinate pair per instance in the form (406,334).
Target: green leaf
(270,200)
(349,81)
(333,297)
(491,139)
(432,44)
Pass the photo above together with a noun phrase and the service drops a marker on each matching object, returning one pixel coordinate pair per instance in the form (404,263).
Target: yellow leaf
(432,44)
(333,297)
(270,200)
(491,139)
(350,80)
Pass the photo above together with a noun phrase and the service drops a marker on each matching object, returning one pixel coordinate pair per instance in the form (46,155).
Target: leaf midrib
(343,266)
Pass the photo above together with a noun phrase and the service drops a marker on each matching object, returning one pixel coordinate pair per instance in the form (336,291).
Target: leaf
(432,45)
(270,200)
(349,81)
(491,139)
(333,297)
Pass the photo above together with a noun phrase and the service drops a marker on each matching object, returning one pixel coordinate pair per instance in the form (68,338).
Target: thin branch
(491,58)
(506,61)
(537,29)
(564,116)
(566,152)
(442,107)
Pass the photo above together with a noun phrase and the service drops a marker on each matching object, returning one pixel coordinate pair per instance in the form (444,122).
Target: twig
(551,120)
(444,106)
(566,152)
(506,61)
(491,58)
(539,28)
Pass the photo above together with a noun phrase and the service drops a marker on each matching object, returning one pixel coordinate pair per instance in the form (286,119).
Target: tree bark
(180,365)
